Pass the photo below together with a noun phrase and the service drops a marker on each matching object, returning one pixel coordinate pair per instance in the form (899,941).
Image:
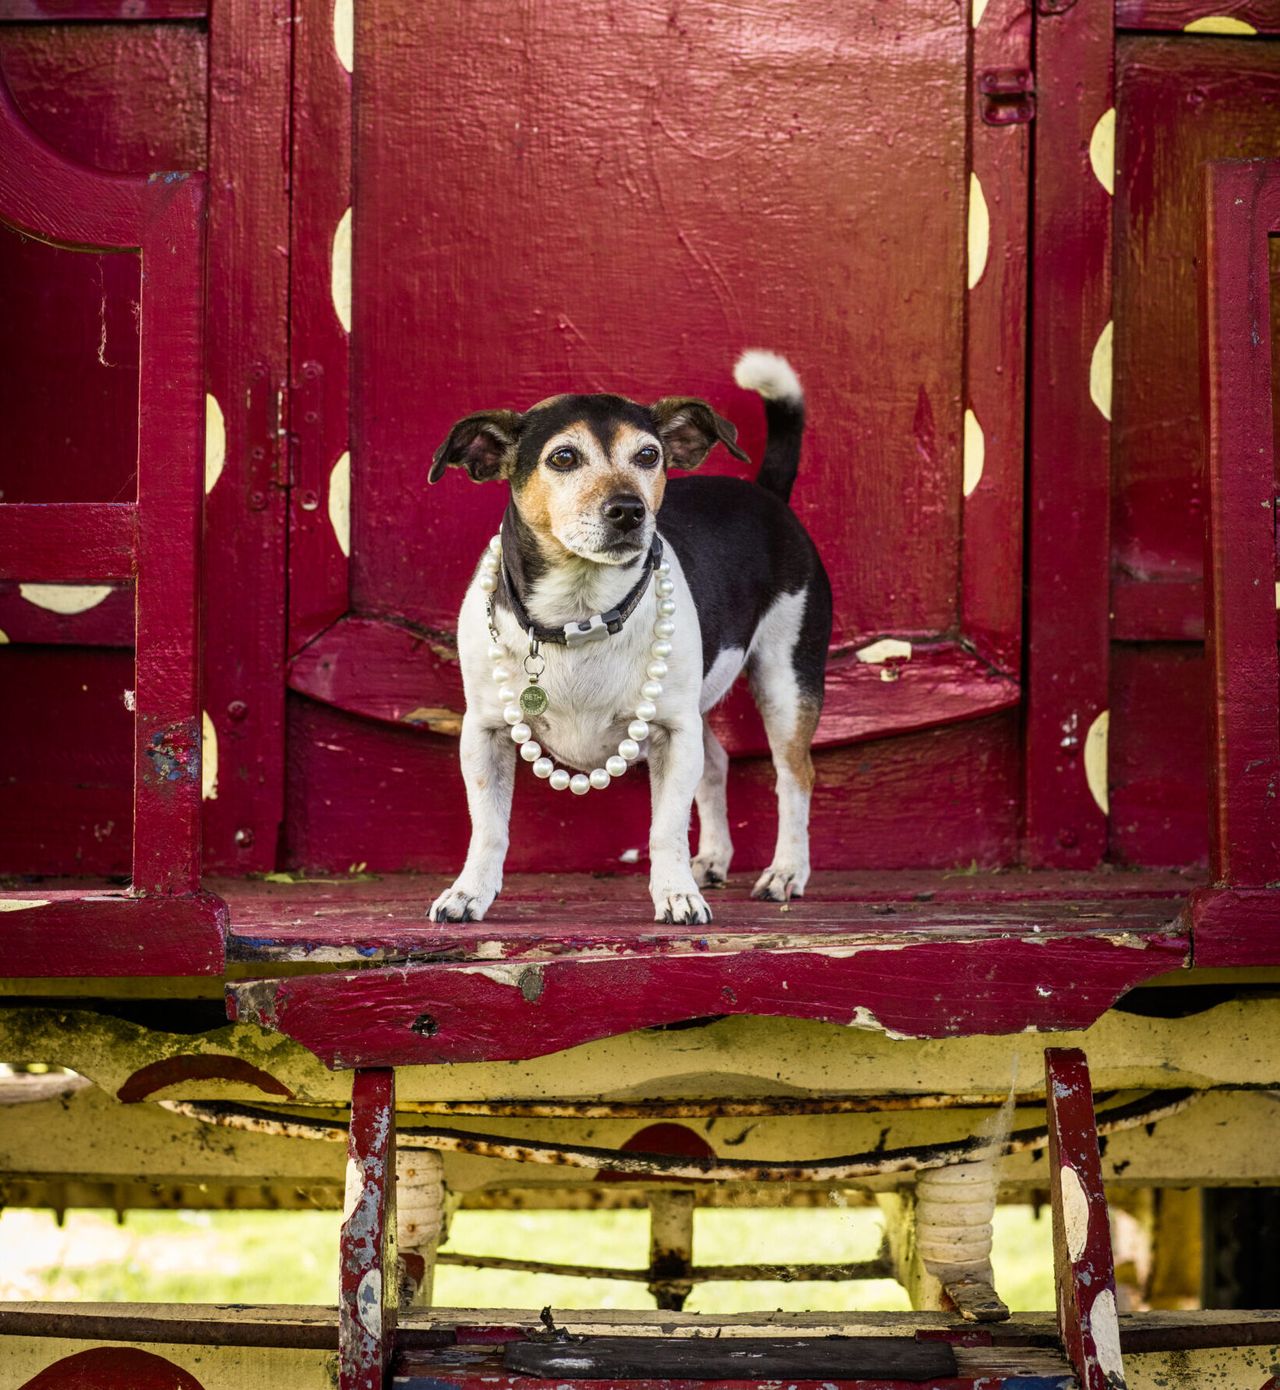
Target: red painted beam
(1243,208)
(367,1274)
(56,934)
(1177,15)
(67,542)
(1083,1268)
(63,11)
(1234,926)
(509,1010)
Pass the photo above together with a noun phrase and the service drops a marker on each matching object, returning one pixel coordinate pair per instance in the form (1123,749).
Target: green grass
(291,1257)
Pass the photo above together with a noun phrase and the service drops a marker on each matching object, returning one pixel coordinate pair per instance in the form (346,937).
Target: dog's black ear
(689,429)
(484,444)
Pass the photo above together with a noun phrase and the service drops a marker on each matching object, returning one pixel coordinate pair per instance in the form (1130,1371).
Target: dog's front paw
(712,869)
(462,904)
(781,882)
(684,909)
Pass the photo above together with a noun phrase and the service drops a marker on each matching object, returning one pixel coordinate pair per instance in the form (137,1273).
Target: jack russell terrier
(592,636)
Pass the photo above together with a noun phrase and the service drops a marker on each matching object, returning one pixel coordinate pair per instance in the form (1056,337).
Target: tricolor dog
(611,613)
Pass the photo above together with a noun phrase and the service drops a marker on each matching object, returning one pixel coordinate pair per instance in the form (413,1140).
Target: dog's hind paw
(780,884)
(681,909)
(711,870)
(460,905)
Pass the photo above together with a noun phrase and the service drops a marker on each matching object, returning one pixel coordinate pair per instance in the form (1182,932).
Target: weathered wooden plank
(67,542)
(367,1273)
(108,622)
(56,933)
(1233,17)
(1234,926)
(397,1016)
(1083,1268)
(1242,208)
(117,11)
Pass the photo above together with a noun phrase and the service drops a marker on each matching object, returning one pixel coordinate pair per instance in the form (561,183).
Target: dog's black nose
(625,511)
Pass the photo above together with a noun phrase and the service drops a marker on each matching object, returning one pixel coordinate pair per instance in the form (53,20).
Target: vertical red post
(1083,1268)
(1242,208)
(367,1274)
(1068,513)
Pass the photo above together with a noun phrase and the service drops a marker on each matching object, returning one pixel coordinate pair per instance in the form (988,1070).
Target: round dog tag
(533,700)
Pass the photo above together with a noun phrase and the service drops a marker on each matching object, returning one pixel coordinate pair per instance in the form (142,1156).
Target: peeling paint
(174,753)
(979,230)
(369,1302)
(1075,1212)
(215,442)
(1095,760)
(1102,150)
(340,502)
(975,452)
(65,598)
(1100,372)
(344,36)
(886,649)
(340,271)
(1105,1327)
(1218,24)
(208,758)
(352,1191)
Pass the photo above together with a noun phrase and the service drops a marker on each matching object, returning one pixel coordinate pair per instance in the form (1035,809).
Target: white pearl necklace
(580,783)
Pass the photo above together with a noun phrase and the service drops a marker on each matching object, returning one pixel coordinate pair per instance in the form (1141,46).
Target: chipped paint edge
(979,231)
(1095,760)
(1100,372)
(340,271)
(1102,150)
(340,501)
(66,599)
(215,442)
(975,453)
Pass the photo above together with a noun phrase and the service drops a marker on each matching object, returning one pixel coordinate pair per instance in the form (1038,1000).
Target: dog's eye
(648,456)
(563,459)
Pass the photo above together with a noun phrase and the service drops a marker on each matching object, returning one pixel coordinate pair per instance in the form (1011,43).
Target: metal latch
(1008,96)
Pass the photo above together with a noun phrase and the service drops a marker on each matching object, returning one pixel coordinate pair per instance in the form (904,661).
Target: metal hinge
(1007,96)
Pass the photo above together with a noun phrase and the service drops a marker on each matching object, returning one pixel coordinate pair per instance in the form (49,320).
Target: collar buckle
(593,629)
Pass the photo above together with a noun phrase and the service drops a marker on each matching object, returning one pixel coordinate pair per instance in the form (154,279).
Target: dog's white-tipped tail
(769,374)
(776,381)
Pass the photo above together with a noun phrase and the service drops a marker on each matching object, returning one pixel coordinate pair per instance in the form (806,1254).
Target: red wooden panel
(995,350)
(65,747)
(108,622)
(360,793)
(68,372)
(1234,927)
(367,1275)
(58,935)
(126,97)
(958,984)
(1207,16)
(1070,437)
(1243,206)
(67,542)
(319,343)
(245,506)
(1158,754)
(1085,1273)
(1180,103)
(636,227)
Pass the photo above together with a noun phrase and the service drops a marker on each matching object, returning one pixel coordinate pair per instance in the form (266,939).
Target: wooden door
(569,198)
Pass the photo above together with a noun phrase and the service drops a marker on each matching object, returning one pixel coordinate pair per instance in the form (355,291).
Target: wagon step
(671,1350)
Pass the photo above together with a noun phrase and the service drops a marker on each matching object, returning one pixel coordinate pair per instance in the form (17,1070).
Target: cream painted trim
(344,33)
(979,230)
(340,270)
(21,904)
(1100,372)
(65,598)
(979,9)
(1218,24)
(215,442)
(886,649)
(1102,150)
(4,636)
(1096,743)
(208,758)
(340,502)
(975,452)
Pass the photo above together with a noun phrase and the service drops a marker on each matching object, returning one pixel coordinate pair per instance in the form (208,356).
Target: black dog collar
(584,630)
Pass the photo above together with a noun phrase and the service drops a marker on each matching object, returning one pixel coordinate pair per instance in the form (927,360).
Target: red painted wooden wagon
(1004,244)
